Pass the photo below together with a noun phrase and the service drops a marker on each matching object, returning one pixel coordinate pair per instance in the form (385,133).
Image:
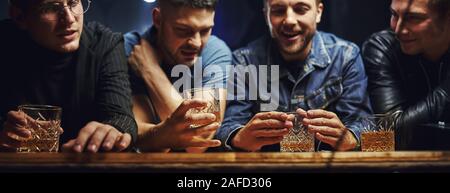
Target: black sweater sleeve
(113,101)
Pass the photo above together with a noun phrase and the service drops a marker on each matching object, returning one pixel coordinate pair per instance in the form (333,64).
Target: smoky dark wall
(241,21)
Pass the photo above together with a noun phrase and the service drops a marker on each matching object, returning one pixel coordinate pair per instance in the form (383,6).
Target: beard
(297,47)
(188,54)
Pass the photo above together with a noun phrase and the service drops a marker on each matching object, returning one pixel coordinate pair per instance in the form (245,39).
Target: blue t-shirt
(214,61)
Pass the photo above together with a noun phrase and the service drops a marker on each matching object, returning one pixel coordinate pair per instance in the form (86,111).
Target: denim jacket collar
(318,56)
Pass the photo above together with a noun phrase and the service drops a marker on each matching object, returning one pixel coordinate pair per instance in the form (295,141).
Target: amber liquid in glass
(378,141)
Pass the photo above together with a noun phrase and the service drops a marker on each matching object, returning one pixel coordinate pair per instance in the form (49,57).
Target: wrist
(152,140)
(153,76)
(237,144)
(147,71)
(353,141)
(235,141)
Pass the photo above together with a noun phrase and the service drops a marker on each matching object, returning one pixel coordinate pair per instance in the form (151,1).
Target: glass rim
(40,107)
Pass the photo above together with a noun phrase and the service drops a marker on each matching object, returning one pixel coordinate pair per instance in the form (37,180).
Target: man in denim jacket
(321,77)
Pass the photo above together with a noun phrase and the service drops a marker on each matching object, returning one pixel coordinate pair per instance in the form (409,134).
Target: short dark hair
(442,7)
(202,4)
(265,3)
(19,3)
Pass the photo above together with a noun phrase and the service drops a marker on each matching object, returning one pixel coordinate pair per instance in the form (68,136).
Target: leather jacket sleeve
(386,88)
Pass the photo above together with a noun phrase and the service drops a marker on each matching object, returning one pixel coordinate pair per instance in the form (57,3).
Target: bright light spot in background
(149,1)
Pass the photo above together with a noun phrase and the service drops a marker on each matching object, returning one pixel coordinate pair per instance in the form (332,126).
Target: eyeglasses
(53,10)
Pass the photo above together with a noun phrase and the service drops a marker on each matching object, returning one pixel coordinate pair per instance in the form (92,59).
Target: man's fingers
(270,124)
(323,122)
(207,129)
(318,113)
(136,50)
(144,43)
(327,131)
(291,117)
(84,135)
(13,130)
(68,147)
(98,137)
(188,104)
(17,118)
(15,135)
(200,142)
(132,61)
(123,142)
(301,112)
(326,139)
(148,52)
(110,140)
(199,118)
(270,132)
(272,115)
(7,148)
(9,142)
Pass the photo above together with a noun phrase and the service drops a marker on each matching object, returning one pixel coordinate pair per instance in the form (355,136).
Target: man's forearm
(162,93)
(148,139)
(426,110)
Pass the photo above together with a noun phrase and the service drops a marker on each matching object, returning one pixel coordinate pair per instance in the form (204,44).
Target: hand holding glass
(298,139)
(210,95)
(44,123)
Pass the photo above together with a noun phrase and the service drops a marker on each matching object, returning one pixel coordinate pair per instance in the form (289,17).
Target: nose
(67,15)
(399,27)
(196,40)
(290,19)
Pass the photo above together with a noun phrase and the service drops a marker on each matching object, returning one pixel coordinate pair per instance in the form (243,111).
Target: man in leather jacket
(408,70)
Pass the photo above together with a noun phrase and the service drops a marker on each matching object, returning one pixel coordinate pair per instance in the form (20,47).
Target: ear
(18,16)
(156,17)
(319,12)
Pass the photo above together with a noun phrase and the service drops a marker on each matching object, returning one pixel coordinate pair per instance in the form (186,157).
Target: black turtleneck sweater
(90,84)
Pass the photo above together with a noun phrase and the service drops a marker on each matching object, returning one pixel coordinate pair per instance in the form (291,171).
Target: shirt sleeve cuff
(228,145)
(356,133)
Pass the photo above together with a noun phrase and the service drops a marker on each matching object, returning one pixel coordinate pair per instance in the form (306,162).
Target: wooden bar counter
(436,161)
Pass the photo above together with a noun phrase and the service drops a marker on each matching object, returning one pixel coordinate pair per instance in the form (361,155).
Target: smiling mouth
(290,35)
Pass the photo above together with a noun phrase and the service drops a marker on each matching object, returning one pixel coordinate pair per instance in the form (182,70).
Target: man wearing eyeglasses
(50,57)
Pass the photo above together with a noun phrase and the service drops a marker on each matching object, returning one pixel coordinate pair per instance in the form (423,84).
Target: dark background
(240,21)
